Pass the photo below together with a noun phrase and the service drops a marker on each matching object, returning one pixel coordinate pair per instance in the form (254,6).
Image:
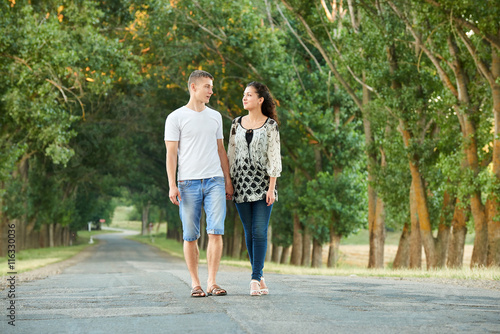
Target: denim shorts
(209,194)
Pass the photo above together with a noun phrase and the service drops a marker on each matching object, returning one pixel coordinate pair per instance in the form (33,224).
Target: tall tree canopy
(389,114)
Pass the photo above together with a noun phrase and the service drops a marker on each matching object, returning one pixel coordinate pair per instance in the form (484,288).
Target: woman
(255,163)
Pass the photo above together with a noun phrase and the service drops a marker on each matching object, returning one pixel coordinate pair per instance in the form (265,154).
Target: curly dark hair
(268,106)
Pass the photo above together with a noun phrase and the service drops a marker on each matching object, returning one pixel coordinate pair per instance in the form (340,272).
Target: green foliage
(335,200)
(56,64)
(87,86)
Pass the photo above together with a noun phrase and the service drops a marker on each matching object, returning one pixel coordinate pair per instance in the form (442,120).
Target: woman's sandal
(264,291)
(256,292)
(197,291)
(216,290)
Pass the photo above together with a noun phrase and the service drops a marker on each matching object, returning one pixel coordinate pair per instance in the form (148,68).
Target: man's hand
(174,195)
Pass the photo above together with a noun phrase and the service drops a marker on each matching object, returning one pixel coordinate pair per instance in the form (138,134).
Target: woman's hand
(270,197)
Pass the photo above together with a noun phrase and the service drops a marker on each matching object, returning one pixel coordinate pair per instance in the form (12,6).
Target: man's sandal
(255,292)
(264,291)
(197,291)
(216,290)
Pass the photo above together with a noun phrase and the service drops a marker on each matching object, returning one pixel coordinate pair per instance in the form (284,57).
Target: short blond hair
(198,74)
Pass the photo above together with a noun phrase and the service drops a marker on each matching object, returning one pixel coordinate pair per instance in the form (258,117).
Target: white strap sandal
(264,291)
(257,291)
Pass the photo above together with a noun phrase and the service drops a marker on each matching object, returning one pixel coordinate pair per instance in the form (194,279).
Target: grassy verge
(121,219)
(167,245)
(30,259)
(392,238)
(175,248)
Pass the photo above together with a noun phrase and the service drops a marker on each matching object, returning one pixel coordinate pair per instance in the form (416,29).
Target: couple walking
(206,176)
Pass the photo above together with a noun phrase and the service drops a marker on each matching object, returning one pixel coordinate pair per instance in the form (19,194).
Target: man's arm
(173,194)
(224,162)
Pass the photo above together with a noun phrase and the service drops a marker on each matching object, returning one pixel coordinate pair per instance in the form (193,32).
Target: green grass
(175,248)
(30,259)
(362,237)
(121,220)
(445,273)
(34,258)
(122,213)
(170,246)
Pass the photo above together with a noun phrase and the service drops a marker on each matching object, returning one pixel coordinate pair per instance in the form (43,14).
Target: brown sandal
(197,291)
(216,291)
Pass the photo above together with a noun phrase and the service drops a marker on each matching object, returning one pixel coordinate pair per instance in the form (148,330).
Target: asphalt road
(128,287)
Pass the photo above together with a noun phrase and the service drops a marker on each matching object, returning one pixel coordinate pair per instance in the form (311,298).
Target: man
(194,142)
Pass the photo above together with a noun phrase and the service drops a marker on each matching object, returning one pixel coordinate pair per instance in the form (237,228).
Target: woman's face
(251,99)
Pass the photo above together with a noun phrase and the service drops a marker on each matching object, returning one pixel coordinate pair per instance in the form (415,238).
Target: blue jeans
(255,218)
(209,194)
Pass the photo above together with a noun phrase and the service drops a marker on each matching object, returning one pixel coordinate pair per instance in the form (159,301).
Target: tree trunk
(225,247)
(494,199)
(51,235)
(20,232)
(276,256)
(203,241)
(306,248)
(145,218)
(317,255)
(377,237)
(236,250)
(493,230)
(42,236)
(333,249)
(28,229)
(21,222)
(172,233)
(285,255)
(443,236)
(297,245)
(269,243)
(442,241)
(481,256)
(415,237)
(457,240)
(57,235)
(3,228)
(480,252)
(421,202)
(376,215)
(66,236)
(402,259)
(243,249)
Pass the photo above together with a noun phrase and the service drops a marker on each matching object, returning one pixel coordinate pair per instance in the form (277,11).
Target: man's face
(203,89)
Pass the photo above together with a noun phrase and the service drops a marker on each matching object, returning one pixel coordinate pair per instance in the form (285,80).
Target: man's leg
(215,208)
(192,256)
(190,214)
(214,254)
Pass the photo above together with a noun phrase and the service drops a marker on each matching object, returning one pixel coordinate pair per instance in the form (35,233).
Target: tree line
(389,117)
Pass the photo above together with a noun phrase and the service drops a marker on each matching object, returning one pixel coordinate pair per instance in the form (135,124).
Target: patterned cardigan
(252,164)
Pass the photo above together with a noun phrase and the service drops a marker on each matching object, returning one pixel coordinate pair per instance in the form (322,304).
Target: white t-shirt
(197,134)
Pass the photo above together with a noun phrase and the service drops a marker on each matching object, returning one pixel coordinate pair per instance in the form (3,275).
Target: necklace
(252,125)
